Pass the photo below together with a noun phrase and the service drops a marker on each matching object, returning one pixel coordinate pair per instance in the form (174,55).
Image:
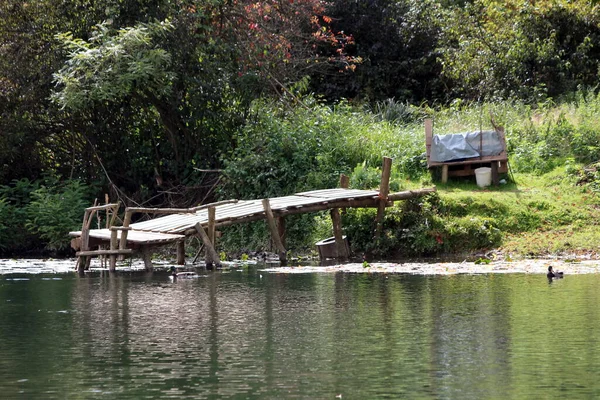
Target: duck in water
(554,274)
(182,275)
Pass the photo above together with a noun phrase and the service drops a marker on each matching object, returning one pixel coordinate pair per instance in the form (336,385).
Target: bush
(55,210)
(40,214)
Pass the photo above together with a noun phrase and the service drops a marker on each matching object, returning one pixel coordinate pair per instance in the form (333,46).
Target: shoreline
(437,267)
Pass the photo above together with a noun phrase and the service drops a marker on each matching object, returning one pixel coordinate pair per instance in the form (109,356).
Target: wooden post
(181,252)
(495,174)
(344,181)
(340,243)
(274,231)
(211,254)
(126,222)
(113,246)
(444,173)
(146,256)
(211,225)
(384,189)
(281,229)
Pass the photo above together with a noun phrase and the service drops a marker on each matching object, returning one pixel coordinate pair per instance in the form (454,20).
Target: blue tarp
(459,146)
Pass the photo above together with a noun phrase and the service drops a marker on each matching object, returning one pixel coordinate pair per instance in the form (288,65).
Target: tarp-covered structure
(463,146)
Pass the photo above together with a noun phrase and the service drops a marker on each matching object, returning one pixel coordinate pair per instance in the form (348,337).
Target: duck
(554,274)
(182,275)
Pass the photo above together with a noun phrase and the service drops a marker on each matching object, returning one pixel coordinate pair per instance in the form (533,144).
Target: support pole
(147,257)
(274,231)
(344,181)
(495,174)
(281,229)
(212,258)
(340,243)
(113,246)
(445,173)
(181,252)
(126,222)
(384,189)
(211,225)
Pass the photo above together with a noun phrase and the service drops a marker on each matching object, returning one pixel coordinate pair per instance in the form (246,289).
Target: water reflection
(251,334)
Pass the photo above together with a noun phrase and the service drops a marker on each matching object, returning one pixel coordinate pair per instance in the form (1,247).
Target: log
(274,231)
(409,194)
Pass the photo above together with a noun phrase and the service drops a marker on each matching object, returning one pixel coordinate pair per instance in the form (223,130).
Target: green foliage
(113,64)
(40,213)
(55,210)
(528,50)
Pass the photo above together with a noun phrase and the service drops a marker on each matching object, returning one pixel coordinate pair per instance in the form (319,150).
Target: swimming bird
(552,274)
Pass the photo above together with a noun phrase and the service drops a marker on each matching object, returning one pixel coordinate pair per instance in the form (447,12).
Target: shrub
(55,210)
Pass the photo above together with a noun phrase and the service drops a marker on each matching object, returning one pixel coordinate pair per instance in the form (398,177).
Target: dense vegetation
(173,103)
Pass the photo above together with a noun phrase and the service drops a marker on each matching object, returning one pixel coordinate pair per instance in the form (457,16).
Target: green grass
(536,215)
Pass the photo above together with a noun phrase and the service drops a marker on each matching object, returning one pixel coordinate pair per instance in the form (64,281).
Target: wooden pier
(177,224)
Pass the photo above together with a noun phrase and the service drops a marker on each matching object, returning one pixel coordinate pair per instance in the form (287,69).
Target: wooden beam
(384,189)
(211,254)
(340,244)
(274,231)
(103,252)
(218,203)
(144,210)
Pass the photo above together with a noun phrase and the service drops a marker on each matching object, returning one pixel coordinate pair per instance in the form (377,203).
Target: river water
(250,334)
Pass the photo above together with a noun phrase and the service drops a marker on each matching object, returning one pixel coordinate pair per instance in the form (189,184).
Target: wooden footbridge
(177,224)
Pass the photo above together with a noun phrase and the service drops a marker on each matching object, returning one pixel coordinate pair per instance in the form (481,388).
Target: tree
(520,48)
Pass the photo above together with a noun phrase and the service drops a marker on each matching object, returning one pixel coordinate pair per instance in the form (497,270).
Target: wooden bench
(498,163)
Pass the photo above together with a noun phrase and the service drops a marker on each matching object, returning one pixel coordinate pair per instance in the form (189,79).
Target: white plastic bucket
(483,176)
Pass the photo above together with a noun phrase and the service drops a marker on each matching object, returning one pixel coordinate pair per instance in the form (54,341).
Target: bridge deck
(173,227)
